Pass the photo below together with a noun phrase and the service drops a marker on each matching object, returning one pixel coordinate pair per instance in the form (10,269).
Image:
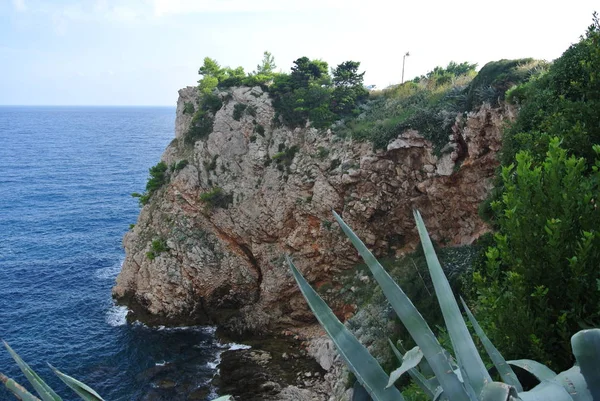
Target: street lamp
(403,60)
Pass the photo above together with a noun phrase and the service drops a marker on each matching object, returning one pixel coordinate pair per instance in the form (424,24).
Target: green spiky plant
(463,379)
(44,391)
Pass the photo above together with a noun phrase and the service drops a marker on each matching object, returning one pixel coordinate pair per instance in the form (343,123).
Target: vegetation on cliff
(541,280)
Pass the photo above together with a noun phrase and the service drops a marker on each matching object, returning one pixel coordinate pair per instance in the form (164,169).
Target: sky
(140,52)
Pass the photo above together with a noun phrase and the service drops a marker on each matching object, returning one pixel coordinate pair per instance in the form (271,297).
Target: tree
(267,66)
(346,74)
(306,71)
(349,88)
(211,73)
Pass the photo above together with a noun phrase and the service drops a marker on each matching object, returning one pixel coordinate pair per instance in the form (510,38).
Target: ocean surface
(66,175)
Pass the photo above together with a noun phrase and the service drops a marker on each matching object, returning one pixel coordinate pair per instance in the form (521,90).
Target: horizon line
(87,105)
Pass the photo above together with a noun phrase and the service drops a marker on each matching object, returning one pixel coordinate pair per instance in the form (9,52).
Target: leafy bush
(157,247)
(285,157)
(180,165)
(216,198)
(541,279)
(188,108)
(496,77)
(464,378)
(158,177)
(238,111)
(563,102)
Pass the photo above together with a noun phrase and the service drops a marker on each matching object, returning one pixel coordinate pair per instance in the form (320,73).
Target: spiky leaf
(43,390)
(540,371)
(586,349)
(83,390)
(358,359)
(414,373)
(19,391)
(504,369)
(409,361)
(412,320)
(467,356)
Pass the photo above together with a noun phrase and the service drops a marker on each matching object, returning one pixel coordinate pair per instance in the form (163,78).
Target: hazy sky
(140,52)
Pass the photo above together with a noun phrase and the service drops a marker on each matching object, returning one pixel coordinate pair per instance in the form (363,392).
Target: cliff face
(225,262)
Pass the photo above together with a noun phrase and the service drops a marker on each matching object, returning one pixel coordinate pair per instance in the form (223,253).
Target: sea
(66,178)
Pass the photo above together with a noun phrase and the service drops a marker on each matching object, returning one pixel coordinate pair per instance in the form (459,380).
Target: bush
(563,102)
(180,165)
(541,279)
(188,108)
(157,247)
(158,177)
(238,111)
(216,198)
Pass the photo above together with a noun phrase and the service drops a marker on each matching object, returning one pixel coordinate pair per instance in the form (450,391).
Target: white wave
(110,272)
(163,363)
(233,346)
(117,315)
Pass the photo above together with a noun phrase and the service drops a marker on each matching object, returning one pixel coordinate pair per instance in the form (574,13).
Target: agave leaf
(575,384)
(466,353)
(545,391)
(540,371)
(43,390)
(409,361)
(412,320)
(83,390)
(496,391)
(506,372)
(586,349)
(421,381)
(19,391)
(366,368)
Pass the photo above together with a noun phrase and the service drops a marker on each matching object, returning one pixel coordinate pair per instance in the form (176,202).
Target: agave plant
(44,391)
(463,379)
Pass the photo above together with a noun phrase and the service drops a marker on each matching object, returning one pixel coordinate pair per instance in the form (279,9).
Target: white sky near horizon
(140,52)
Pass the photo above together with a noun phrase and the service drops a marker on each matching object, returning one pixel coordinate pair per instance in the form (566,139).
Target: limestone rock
(225,263)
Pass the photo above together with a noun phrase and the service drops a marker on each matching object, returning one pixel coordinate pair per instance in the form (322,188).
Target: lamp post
(403,60)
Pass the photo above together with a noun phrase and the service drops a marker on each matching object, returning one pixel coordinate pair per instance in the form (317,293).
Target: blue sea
(66,175)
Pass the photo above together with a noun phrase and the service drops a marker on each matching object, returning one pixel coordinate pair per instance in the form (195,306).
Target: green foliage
(267,65)
(216,198)
(158,177)
(496,77)
(464,378)
(563,102)
(157,247)
(180,165)
(541,279)
(42,389)
(259,129)
(322,152)
(188,108)
(238,111)
(203,120)
(285,157)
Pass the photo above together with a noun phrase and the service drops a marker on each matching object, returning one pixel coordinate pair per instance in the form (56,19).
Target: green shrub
(238,111)
(157,247)
(541,279)
(180,165)
(260,130)
(158,178)
(285,157)
(322,152)
(216,198)
(563,102)
(188,108)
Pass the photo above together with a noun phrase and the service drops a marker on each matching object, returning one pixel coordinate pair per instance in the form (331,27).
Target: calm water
(66,175)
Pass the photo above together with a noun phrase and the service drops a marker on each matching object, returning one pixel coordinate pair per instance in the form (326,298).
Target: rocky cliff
(253,192)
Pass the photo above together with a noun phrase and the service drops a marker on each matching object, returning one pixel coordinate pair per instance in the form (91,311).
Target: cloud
(19,5)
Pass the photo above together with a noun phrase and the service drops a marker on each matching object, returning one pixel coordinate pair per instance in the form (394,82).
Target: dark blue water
(66,175)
